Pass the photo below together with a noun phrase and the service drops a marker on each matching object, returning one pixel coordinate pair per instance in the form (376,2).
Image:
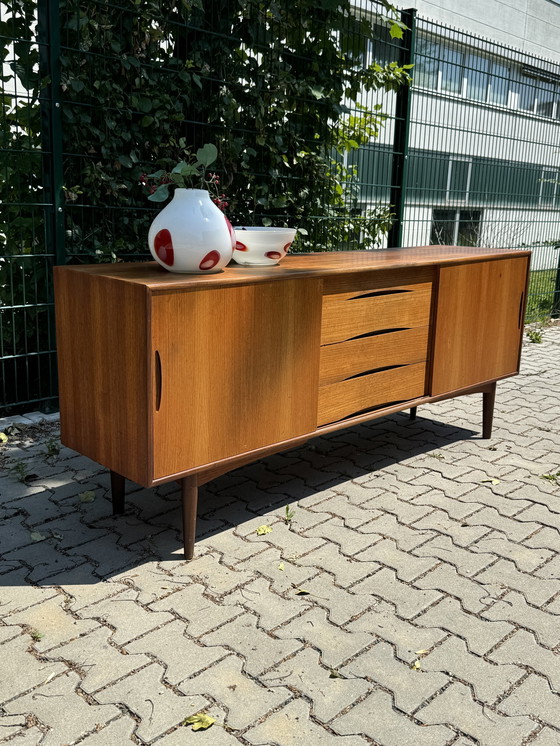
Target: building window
(478,77)
(455,227)
(549,195)
(458,180)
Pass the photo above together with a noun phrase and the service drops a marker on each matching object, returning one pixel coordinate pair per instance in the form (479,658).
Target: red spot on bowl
(163,246)
(273,254)
(210,260)
(241,246)
(287,247)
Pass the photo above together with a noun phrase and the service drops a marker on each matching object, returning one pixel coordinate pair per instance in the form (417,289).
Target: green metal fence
(466,155)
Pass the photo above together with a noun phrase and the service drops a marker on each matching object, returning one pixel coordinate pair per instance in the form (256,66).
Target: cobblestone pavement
(407,595)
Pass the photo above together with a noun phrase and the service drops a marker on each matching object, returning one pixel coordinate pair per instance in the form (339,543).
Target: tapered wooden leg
(117,493)
(413,413)
(488,398)
(189,494)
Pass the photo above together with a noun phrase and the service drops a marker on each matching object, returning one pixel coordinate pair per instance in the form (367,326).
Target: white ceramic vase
(191,234)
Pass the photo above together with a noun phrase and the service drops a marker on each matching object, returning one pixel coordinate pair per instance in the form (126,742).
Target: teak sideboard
(185,377)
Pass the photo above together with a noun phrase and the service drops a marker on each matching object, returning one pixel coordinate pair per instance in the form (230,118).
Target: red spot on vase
(287,247)
(231,232)
(241,246)
(163,246)
(273,254)
(210,260)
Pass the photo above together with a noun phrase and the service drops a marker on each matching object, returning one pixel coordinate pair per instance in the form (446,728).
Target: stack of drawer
(374,341)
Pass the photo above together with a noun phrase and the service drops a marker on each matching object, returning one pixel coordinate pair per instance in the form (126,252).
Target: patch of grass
(36,636)
(540,294)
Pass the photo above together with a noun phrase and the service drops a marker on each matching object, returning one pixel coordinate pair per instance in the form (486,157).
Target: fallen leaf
(492,481)
(302,592)
(281,566)
(263,530)
(200,721)
(3,438)
(416,666)
(87,497)
(36,536)
(422,652)
(57,535)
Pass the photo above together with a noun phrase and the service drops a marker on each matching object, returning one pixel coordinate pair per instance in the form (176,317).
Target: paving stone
(272,610)
(406,637)
(149,582)
(344,506)
(523,650)
(516,529)
(49,701)
(514,608)
(410,688)
(232,547)
(405,511)
(533,697)
(128,618)
(345,570)
(21,671)
(480,635)
(244,699)
(453,508)
(29,737)
(335,643)
(550,570)
(304,672)
(407,567)
(408,601)
(157,706)
(349,540)
(9,632)
(488,680)
(117,732)
(100,662)
(82,586)
(258,649)
(51,620)
(469,563)
(456,707)
(341,605)
(216,577)
(536,590)
(44,559)
(291,726)
(406,538)
(288,541)
(283,581)
(472,594)
(376,718)
(181,656)
(545,538)
(539,494)
(18,594)
(107,555)
(10,725)
(546,737)
(461,533)
(200,612)
(525,558)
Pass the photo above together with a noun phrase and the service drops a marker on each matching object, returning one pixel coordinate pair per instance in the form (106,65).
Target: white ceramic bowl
(262,246)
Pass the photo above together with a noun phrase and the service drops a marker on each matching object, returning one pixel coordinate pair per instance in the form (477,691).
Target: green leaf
(207,154)
(261,530)
(125,160)
(87,497)
(396,31)
(147,121)
(36,536)
(200,721)
(161,193)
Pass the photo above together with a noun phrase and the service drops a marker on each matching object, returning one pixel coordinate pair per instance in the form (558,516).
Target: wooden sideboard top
(151,275)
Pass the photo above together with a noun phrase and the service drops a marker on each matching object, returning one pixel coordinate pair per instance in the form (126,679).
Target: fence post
(555,312)
(48,37)
(399,171)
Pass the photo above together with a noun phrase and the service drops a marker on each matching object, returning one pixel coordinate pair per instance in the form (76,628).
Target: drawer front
(348,315)
(353,396)
(346,359)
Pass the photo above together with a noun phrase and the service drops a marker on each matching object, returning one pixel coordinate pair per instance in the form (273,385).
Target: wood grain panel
(239,370)
(347,315)
(102,346)
(339,400)
(479,322)
(377,279)
(344,359)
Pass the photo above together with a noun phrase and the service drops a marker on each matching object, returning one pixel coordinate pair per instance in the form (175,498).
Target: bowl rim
(263,228)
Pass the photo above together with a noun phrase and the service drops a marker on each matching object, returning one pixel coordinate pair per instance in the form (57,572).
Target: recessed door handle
(157,369)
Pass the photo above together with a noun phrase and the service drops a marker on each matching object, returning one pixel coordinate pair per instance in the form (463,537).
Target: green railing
(311,133)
